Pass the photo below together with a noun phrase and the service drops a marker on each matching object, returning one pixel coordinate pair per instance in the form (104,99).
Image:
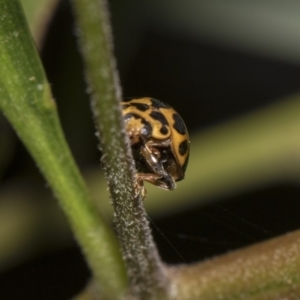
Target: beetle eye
(144,131)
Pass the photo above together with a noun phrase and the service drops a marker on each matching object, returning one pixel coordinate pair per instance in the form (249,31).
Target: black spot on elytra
(141,106)
(156,115)
(158,104)
(164,130)
(124,106)
(183,147)
(179,125)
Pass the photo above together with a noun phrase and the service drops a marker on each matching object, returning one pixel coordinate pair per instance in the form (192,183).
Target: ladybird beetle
(159,141)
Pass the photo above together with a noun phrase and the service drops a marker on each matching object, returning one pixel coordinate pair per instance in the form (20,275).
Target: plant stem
(267,270)
(144,267)
(26,101)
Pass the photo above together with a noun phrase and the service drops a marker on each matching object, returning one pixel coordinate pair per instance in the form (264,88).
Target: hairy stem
(144,267)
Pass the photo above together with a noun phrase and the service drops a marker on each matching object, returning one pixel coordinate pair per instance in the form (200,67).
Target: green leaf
(26,101)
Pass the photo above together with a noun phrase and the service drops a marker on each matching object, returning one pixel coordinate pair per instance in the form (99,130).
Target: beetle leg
(150,145)
(165,182)
(139,187)
(153,160)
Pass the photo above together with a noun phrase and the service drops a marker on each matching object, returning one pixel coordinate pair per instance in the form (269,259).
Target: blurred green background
(231,69)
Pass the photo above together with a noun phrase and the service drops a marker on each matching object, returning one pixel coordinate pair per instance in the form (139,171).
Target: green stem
(26,101)
(144,267)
